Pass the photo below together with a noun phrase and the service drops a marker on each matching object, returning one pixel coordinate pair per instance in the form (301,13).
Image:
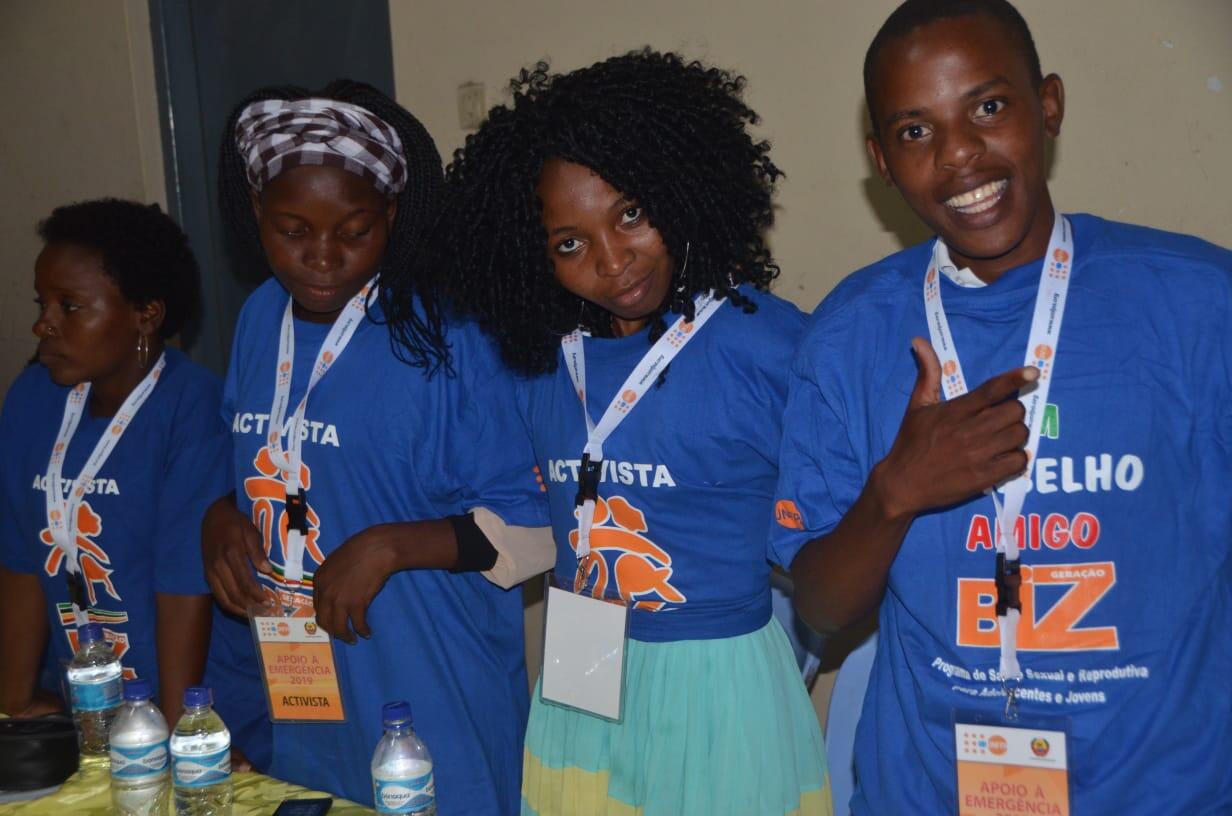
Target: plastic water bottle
(402,767)
(201,758)
(139,767)
(94,684)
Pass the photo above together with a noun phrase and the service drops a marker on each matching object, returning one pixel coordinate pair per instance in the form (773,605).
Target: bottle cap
(138,689)
(197,696)
(398,713)
(89,633)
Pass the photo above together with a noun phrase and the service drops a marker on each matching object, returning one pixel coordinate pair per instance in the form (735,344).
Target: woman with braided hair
(606,223)
(359,460)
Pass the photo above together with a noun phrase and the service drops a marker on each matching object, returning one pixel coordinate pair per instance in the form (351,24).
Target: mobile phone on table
(305,807)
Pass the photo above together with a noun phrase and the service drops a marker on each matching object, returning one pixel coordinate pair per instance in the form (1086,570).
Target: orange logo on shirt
(788,515)
(268,494)
(91,557)
(997,744)
(621,555)
(1048,623)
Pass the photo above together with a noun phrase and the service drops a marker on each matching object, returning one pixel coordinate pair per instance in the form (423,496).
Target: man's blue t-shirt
(1127,530)
(688,475)
(139,527)
(382,442)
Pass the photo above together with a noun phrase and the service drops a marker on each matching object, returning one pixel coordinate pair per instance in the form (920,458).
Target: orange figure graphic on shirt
(618,550)
(268,493)
(91,557)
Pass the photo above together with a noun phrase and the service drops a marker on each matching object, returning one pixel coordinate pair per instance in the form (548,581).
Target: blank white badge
(584,653)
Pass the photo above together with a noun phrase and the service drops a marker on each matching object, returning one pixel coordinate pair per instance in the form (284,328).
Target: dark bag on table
(36,754)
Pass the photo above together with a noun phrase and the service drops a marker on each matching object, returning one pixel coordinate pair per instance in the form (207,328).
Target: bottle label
(138,762)
(415,795)
(201,770)
(96,696)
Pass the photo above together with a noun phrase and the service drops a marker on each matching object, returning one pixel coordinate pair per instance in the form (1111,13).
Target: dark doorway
(210,53)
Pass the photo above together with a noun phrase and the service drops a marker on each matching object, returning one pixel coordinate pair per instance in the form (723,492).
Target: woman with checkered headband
(364,454)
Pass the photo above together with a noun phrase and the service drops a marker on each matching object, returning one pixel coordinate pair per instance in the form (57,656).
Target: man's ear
(1052,101)
(873,146)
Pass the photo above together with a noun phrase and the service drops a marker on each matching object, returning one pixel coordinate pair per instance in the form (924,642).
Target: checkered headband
(274,135)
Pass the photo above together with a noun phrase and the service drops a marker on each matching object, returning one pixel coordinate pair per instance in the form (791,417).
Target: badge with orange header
(297,663)
(1017,768)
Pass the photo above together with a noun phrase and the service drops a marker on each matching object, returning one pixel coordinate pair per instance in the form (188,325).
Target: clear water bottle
(94,682)
(140,778)
(201,758)
(402,767)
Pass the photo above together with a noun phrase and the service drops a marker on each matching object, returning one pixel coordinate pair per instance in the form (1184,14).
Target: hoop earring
(143,351)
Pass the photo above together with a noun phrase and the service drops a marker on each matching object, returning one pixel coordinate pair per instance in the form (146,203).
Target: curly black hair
(914,14)
(670,134)
(142,249)
(416,334)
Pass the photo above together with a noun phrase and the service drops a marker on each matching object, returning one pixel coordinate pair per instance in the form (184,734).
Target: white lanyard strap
(62,510)
(290,460)
(635,386)
(1042,344)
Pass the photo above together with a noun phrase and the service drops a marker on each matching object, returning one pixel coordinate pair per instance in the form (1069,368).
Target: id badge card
(584,652)
(297,666)
(1021,767)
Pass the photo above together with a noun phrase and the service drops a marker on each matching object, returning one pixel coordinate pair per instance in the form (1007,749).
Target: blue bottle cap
(197,696)
(89,633)
(138,689)
(398,713)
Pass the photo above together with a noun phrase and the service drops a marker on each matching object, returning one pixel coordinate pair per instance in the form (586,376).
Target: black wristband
(475,552)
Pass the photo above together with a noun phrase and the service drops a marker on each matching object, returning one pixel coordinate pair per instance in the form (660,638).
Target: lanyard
(1042,345)
(635,386)
(62,512)
(290,460)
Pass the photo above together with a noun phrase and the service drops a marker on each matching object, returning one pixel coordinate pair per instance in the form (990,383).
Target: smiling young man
(1100,613)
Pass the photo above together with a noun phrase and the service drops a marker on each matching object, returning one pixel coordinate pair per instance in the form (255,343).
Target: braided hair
(416,334)
(667,133)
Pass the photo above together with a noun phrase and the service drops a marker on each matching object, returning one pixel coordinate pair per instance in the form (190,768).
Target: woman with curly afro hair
(608,222)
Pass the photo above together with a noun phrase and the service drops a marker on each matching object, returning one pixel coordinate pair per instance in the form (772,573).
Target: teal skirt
(710,728)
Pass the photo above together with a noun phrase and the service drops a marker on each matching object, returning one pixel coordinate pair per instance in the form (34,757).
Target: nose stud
(50,331)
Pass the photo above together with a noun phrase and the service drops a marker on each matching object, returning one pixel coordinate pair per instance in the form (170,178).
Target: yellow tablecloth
(88,793)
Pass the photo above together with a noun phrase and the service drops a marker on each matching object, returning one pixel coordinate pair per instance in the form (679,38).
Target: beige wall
(1149,89)
(77,78)
(1140,143)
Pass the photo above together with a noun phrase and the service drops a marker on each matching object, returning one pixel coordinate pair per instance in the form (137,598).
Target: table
(88,793)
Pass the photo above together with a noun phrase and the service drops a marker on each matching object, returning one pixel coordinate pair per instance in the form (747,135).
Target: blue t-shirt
(1127,590)
(139,527)
(384,443)
(688,475)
